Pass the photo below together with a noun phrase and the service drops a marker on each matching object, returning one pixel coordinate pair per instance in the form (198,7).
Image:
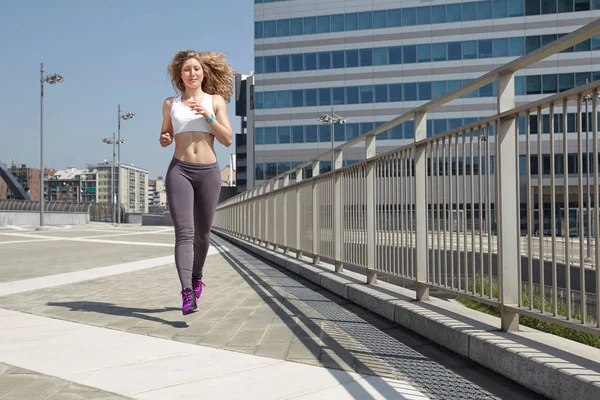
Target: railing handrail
(49,206)
(552,48)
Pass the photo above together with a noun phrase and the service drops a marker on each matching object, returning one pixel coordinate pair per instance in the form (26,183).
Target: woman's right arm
(166,132)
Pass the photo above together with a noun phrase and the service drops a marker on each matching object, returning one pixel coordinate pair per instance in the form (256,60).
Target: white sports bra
(185,119)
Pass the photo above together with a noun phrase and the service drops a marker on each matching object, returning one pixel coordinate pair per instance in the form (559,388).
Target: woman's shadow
(111,309)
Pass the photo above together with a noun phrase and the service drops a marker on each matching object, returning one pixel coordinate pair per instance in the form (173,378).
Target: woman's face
(192,73)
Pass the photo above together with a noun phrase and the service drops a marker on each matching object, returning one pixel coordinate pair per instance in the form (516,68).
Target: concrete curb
(553,366)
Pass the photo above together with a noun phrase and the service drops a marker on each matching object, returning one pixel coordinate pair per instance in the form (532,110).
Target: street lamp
(51,79)
(112,175)
(588,257)
(331,119)
(124,116)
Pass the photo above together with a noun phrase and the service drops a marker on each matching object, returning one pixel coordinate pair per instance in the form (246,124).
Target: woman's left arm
(221,127)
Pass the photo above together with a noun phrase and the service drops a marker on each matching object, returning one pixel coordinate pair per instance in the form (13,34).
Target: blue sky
(110,52)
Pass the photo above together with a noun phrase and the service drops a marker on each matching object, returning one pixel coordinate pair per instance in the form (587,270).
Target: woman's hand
(165,139)
(199,110)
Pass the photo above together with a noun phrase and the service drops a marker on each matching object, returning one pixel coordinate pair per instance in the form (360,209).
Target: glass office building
(372,61)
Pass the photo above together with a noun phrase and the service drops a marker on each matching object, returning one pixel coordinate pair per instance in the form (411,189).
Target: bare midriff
(195,147)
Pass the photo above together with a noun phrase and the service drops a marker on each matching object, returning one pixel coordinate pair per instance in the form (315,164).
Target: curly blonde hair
(218,74)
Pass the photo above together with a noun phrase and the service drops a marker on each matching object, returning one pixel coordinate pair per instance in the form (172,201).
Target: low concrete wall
(21,218)
(157,219)
(553,366)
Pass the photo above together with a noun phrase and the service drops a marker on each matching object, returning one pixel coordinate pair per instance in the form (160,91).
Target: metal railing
(444,211)
(52,206)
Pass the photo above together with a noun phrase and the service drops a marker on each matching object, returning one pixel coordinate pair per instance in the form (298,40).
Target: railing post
(506,202)
(264,216)
(286,183)
(316,167)
(370,152)
(338,211)
(421,204)
(299,218)
(272,208)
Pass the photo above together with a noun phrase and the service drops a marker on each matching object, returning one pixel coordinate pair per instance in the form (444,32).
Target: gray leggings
(193,193)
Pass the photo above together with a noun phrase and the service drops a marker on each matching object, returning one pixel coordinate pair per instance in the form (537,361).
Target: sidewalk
(93,312)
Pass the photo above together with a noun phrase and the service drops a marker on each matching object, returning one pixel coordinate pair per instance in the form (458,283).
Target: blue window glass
(487,90)
(310,61)
(501,47)
(298,98)
(424,52)
(366,57)
(351,131)
(283,132)
(409,129)
(429,128)
(365,127)
(548,6)
(469,50)
(532,7)
(396,132)
(395,55)
(271,135)
(586,45)
(297,62)
(258,65)
(260,171)
(567,5)
(338,95)
(323,24)
(423,15)
(516,8)
(365,20)
(283,27)
(485,48)
(550,83)
(596,42)
(310,97)
(380,55)
(270,64)
(469,11)
(454,84)
(410,91)
(338,59)
(455,51)
(324,60)
(259,100)
(270,29)
(484,10)
(324,96)
(297,134)
(324,134)
(438,52)
(351,22)
(258,30)
(310,132)
(455,123)
(546,39)
(366,94)
(532,43)
(454,13)
(533,84)
(379,19)
(394,18)
(337,23)
(310,25)
(383,135)
(339,132)
(519,85)
(582,78)
(439,89)
(439,126)
(500,8)
(260,135)
(409,54)
(516,46)
(283,167)
(395,92)
(270,100)
(296,26)
(352,95)
(283,99)
(351,58)
(283,63)
(381,93)
(438,14)
(409,16)
(424,90)
(472,94)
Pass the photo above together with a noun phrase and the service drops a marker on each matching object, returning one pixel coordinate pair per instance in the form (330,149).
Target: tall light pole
(123,116)
(112,177)
(51,79)
(331,119)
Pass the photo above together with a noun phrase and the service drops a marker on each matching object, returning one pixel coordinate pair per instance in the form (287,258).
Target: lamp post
(51,79)
(112,176)
(331,119)
(124,116)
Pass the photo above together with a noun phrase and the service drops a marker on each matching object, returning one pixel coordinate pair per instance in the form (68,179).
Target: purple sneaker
(197,284)
(189,302)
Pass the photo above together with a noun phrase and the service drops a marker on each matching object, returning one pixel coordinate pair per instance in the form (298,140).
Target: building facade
(157,196)
(130,181)
(72,185)
(244,141)
(29,178)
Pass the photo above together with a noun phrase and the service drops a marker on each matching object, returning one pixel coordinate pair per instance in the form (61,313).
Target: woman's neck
(189,93)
